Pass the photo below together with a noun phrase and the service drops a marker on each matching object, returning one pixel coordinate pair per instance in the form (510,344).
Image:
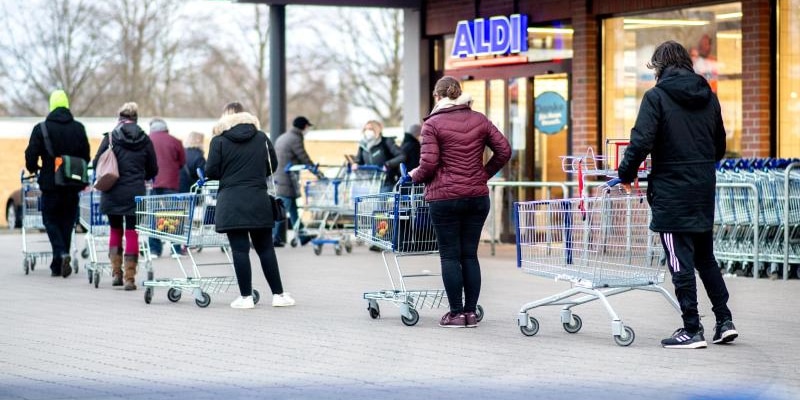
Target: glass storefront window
(789,78)
(713,36)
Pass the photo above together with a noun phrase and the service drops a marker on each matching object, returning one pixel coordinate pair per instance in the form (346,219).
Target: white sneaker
(243,302)
(282,300)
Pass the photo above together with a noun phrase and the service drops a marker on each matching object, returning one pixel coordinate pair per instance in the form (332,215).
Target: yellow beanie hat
(58,99)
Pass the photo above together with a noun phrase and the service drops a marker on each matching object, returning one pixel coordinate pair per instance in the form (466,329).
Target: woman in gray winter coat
(238,157)
(136,160)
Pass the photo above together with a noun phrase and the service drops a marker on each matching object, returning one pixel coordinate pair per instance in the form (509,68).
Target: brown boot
(115,255)
(130,271)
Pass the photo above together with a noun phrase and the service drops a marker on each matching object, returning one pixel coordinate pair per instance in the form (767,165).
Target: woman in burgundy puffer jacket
(451,165)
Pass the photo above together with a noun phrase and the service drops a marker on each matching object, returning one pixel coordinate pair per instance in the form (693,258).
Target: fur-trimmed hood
(229,121)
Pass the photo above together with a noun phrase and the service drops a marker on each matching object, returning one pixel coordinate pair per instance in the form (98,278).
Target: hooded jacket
(136,160)
(67,137)
(237,157)
(451,160)
(680,126)
(291,150)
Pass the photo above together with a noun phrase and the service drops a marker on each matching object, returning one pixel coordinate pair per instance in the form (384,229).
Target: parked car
(14,209)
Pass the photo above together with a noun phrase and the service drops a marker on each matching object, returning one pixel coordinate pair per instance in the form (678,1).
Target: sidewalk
(64,339)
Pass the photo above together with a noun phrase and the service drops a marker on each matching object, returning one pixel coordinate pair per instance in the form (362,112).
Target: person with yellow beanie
(59,203)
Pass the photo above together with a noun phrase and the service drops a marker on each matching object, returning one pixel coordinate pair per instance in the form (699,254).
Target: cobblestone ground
(64,339)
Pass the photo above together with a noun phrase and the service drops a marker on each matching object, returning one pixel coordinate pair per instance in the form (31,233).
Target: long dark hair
(670,54)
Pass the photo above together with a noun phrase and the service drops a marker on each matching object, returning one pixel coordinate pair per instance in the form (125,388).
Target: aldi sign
(496,35)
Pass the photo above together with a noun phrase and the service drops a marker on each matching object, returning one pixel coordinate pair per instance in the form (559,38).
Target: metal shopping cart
(601,245)
(187,219)
(400,223)
(96,239)
(35,246)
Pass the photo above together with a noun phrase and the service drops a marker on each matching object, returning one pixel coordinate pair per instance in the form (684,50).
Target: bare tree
(369,59)
(47,45)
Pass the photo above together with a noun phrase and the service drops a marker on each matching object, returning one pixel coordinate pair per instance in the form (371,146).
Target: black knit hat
(301,122)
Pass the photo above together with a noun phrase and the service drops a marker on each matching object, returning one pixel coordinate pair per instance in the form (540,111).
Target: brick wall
(756,73)
(585,83)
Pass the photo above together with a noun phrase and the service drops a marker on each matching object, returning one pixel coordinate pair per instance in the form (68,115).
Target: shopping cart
(96,239)
(601,245)
(400,223)
(187,219)
(36,247)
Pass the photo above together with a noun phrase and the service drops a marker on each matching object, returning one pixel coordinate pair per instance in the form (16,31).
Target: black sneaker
(725,332)
(682,339)
(66,267)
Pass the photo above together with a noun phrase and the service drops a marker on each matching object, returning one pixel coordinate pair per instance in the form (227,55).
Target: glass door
(550,128)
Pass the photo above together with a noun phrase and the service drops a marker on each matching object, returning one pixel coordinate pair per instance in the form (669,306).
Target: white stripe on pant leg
(671,250)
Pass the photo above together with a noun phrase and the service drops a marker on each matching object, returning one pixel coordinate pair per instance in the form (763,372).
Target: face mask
(370,134)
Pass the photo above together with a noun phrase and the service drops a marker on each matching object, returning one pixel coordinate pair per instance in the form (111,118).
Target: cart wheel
(337,249)
(89,272)
(174,294)
(575,326)
(479,312)
(85,252)
(148,295)
(256,296)
(374,312)
(317,249)
(410,321)
(293,242)
(204,302)
(96,279)
(348,247)
(531,329)
(627,339)
(26,264)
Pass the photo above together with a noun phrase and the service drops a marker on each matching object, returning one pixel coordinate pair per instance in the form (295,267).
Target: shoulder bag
(70,171)
(278,208)
(107,171)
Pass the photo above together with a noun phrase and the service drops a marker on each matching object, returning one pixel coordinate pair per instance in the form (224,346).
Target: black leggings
(262,243)
(115,221)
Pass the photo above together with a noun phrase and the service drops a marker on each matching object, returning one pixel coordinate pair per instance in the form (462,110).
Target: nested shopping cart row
(757,216)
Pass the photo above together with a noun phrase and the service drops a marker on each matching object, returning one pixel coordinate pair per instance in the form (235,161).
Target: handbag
(70,171)
(278,208)
(107,170)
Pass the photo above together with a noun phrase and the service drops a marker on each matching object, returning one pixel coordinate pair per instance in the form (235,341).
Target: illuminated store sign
(496,35)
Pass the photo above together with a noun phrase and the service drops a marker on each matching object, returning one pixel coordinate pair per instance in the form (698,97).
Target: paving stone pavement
(64,339)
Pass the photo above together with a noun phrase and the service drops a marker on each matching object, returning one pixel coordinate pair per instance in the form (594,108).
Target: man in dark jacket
(59,203)
(410,146)
(291,150)
(680,125)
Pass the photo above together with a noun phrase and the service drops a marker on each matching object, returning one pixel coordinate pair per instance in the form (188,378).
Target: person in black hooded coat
(680,125)
(136,160)
(241,157)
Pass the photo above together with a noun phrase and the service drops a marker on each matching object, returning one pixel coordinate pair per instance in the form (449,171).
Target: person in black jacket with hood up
(59,204)
(241,157)
(680,125)
(136,161)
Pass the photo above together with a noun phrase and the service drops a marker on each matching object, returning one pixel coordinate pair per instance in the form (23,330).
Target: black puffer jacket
(67,137)
(136,160)
(385,153)
(680,125)
(237,158)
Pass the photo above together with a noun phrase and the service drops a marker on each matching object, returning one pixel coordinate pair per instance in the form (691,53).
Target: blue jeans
(291,207)
(458,224)
(156,246)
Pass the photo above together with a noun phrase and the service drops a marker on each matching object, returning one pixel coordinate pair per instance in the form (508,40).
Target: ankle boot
(115,255)
(130,271)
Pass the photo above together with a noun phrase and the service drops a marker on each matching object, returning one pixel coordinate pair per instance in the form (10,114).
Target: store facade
(586,59)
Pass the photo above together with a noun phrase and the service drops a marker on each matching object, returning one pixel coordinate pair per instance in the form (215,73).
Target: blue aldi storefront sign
(550,114)
(497,35)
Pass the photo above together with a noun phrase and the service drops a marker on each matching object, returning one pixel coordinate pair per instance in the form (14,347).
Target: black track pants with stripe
(687,252)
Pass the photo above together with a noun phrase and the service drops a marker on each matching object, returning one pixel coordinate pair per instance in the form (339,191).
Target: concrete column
(416,85)
(277,70)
